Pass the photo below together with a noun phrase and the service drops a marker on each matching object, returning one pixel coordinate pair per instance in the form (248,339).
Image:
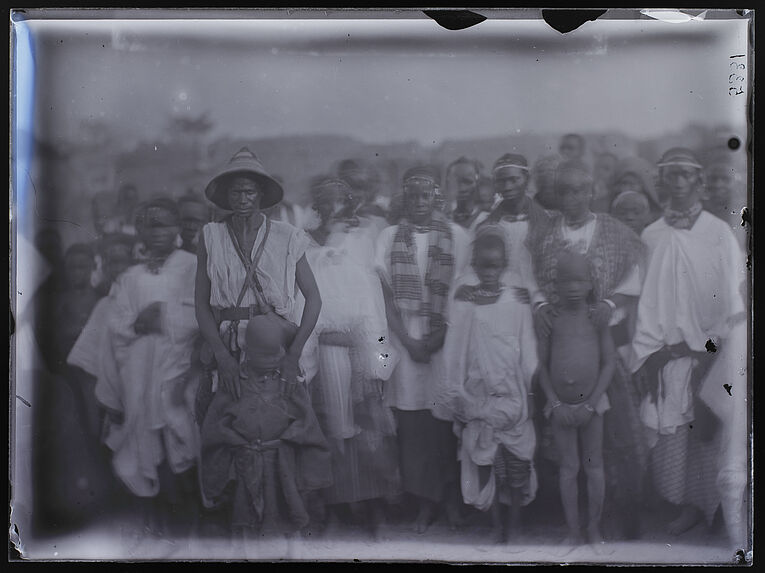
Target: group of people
(458,347)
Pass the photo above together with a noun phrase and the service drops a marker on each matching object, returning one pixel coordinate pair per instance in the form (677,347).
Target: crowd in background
(451,348)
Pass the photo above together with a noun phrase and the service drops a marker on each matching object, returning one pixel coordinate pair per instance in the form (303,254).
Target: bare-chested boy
(576,364)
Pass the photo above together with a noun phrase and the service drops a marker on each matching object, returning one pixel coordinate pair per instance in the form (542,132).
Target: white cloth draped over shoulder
(285,245)
(413,384)
(490,358)
(690,293)
(143,376)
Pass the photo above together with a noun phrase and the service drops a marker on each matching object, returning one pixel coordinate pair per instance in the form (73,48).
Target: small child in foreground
(576,364)
(263,452)
(491,358)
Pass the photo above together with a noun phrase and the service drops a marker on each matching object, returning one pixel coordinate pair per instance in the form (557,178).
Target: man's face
(193,218)
(573,193)
(419,194)
(680,181)
(463,182)
(571,148)
(159,229)
(244,196)
(511,182)
(79,267)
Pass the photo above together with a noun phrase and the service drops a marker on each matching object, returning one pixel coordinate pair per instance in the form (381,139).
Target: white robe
(490,358)
(138,374)
(690,292)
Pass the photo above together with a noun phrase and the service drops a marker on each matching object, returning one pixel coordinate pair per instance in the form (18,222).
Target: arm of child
(543,353)
(607,366)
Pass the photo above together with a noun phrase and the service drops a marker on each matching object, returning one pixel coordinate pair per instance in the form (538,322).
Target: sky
(381,80)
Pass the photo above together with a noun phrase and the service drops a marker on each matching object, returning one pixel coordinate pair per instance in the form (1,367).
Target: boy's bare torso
(574,356)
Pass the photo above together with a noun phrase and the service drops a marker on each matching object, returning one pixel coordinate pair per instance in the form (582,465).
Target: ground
(120,536)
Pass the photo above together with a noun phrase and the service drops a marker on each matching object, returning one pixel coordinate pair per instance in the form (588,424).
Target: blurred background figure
(637,175)
(127,203)
(71,477)
(286,211)
(603,173)
(543,177)
(364,181)
(486,194)
(462,192)
(194,213)
(49,244)
(725,193)
(102,209)
(116,255)
(631,208)
(572,147)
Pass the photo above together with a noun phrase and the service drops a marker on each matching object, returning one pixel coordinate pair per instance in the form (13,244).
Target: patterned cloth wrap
(511,471)
(407,289)
(614,250)
(683,219)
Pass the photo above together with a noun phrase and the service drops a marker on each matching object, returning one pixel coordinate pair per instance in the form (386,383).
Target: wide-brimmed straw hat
(244,162)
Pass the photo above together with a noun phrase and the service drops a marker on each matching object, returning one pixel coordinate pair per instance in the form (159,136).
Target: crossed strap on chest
(251,281)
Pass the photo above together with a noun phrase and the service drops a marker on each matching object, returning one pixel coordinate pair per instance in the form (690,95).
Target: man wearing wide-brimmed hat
(251,265)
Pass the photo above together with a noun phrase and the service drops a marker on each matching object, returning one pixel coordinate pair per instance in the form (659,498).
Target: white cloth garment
(352,303)
(490,358)
(690,292)
(138,375)
(412,384)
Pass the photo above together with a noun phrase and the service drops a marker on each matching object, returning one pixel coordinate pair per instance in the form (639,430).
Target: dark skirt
(427,454)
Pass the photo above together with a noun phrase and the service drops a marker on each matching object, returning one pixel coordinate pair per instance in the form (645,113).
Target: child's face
(489,264)
(573,194)
(680,181)
(573,287)
(632,212)
(79,268)
(511,182)
(159,230)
